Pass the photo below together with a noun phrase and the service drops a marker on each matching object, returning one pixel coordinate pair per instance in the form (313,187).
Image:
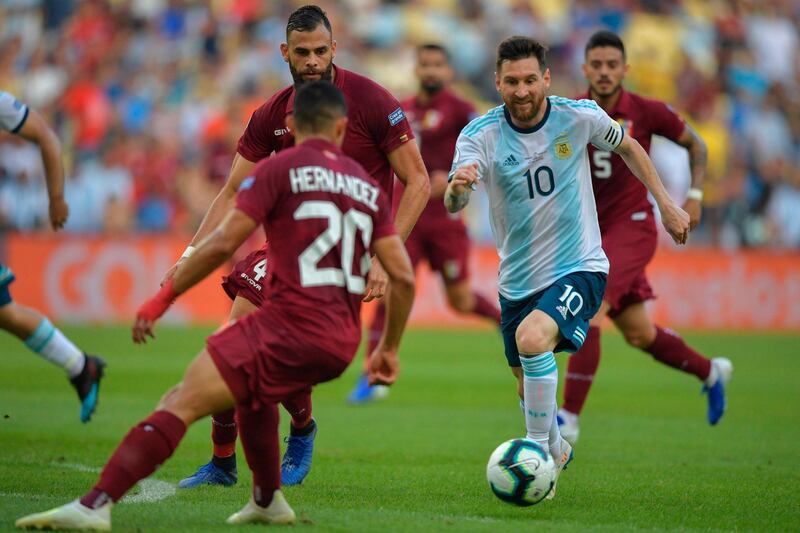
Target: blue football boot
(209,474)
(714,389)
(296,462)
(363,392)
(87,385)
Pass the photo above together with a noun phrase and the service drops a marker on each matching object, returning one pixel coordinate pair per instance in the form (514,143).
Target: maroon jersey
(376,126)
(617,191)
(322,212)
(437,125)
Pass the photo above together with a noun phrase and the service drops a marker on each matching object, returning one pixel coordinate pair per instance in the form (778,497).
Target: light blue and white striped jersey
(13,113)
(543,214)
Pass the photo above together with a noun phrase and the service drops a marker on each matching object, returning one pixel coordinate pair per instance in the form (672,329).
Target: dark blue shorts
(6,277)
(571,301)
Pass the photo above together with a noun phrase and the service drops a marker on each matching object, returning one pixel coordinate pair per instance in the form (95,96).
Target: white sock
(555,438)
(540,382)
(51,344)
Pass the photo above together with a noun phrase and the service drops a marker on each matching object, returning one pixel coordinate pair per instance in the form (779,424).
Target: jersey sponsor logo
(282,131)
(396,116)
(563,146)
(510,161)
(247,183)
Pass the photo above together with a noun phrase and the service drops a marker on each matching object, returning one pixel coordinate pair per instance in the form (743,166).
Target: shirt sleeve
(258,140)
(387,121)
(469,149)
(13,113)
(257,193)
(604,132)
(665,121)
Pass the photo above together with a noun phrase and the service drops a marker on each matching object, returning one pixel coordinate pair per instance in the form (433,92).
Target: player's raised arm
(212,251)
(698,159)
(394,258)
(675,219)
(36,130)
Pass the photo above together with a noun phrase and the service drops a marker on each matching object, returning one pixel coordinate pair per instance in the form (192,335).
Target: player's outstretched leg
(43,338)
(267,504)
(221,469)
(144,448)
(363,392)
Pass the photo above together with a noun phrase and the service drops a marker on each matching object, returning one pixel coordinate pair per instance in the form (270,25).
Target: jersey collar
(338,82)
(322,145)
(535,127)
(623,104)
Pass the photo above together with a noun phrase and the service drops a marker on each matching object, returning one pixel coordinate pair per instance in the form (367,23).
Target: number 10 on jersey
(541,180)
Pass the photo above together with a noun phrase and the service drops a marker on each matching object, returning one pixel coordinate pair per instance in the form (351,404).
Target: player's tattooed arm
(456,197)
(698,160)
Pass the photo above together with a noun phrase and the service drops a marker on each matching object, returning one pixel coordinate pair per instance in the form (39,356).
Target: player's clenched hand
(695,210)
(383,367)
(377,282)
(151,311)
(676,222)
(464,178)
(59,211)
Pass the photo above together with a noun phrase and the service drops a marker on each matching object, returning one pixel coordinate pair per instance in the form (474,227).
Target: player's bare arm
(222,204)
(674,219)
(698,160)
(212,252)
(407,164)
(392,255)
(438,183)
(456,197)
(36,130)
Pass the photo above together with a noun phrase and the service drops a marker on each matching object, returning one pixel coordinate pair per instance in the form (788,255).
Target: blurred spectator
(149,96)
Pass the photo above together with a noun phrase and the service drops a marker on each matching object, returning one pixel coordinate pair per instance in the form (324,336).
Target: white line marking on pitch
(150,490)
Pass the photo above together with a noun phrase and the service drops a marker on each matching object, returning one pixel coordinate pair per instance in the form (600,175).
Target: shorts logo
(510,161)
(396,116)
(451,269)
(563,146)
(563,310)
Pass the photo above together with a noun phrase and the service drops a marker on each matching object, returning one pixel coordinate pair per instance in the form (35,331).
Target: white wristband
(188,251)
(695,194)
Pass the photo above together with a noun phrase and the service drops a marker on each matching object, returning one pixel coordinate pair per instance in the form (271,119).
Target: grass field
(646,459)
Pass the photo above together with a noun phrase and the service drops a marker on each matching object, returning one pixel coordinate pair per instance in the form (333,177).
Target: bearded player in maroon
(437,116)
(325,216)
(379,138)
(628,229)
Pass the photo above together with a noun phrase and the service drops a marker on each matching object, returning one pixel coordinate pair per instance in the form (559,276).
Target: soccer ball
(521,472)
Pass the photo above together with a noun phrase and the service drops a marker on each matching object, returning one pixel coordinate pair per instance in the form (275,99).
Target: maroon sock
(581,369)
(374,332)
(262,448)
(223,433)
(299,407)
(140,453)
(486,309)
(670,349)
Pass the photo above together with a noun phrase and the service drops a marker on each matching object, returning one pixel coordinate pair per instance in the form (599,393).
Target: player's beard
(431,86)
(608,90)
(297,76)
(525,116)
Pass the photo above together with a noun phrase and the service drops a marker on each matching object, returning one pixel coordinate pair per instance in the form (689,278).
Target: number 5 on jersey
(342,228)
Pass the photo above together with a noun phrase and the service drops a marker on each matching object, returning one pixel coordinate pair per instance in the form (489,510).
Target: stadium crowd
(149,96)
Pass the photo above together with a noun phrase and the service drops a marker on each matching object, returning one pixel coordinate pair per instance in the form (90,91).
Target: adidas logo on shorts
(563,310)
(510,161)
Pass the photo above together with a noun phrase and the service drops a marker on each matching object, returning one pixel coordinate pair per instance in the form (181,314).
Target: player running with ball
(531,155)
(308,198)
(628,229)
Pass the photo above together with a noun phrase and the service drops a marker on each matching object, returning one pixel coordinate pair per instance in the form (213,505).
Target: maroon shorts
(263,361)
(444,244)
(629,245)
(248,277)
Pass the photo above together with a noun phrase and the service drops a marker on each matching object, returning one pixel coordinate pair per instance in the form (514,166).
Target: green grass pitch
(416,462)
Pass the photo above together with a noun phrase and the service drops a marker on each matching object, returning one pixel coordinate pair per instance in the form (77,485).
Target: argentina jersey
(543,214)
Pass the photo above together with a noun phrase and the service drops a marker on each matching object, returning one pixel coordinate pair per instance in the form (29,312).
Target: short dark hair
(316,105)
(434,47)
(605,38)
(307,18)
(518,47)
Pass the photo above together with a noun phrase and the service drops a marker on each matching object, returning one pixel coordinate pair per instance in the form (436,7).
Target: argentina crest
(563,146)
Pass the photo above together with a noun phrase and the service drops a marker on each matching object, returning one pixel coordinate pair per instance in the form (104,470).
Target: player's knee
(460,302)
(7,315)
(186,404)
(637,338)
(532,339)
(166,400)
